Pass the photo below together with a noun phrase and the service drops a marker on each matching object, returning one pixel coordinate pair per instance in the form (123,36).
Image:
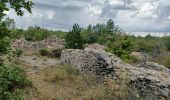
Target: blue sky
(130,15)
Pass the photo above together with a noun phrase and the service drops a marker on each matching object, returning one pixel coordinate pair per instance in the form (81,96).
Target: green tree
(74,39)
(6,5)
(89,28)
(11,78)
(17,5)
(110,26)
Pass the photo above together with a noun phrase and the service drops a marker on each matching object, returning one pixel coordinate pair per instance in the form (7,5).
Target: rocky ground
(33,63)
(52,81)
(149,82)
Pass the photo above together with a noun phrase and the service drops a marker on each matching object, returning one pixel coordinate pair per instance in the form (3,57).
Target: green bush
(36,34)
(44,52)
(17,52)
(4,45)
(122,47)
(12,79)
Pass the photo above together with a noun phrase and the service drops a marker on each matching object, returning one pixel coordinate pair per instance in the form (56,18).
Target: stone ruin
(104,64)
(51,42)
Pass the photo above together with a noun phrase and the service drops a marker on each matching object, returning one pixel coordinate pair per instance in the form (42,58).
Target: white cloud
(148,10)
(131,15)
(50,15)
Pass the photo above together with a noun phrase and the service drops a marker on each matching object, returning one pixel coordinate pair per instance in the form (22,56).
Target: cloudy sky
(130,15)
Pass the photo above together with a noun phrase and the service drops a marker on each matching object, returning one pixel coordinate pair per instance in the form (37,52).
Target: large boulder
(101,63)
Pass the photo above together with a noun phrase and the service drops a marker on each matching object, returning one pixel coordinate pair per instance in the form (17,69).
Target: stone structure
(90,62)
(51,42)
(101,63)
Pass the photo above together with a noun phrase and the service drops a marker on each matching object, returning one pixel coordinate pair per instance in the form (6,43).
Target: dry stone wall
(90,62)
(51,42)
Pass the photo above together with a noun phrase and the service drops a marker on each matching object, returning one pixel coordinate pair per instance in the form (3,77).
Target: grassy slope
(64,83)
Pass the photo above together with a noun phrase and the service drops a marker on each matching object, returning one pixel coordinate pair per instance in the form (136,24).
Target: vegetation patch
(65,82)
(12,80)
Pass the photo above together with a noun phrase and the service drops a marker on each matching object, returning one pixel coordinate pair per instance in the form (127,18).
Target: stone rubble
(149,79)
(101,63)
(34,63)
(51,42)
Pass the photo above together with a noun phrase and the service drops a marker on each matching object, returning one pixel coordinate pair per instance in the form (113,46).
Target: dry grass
(31,52)
(65,83)
(165,61)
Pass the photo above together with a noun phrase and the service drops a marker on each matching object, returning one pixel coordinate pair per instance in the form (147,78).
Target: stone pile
(89,62)
(51,43)
(101,63)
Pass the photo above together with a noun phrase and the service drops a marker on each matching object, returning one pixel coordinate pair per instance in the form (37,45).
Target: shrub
(36,34)
(12,79)
(17,52)
(56,53)
(4,45)
(44,52)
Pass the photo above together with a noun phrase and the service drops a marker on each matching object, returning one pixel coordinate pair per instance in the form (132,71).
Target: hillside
(99,61)
(77,73)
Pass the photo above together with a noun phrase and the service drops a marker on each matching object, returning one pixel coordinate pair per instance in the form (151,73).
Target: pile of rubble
(101,63)
(51,42)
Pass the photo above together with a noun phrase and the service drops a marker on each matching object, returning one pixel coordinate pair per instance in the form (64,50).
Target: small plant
(165,61)
(66,72)
(17,52)
(44,52)
(56,53)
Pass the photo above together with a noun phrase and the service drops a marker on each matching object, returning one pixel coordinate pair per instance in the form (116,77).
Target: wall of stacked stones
(49,43)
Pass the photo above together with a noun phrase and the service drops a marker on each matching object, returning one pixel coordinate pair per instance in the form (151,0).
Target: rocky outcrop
(146,81)
(51,42)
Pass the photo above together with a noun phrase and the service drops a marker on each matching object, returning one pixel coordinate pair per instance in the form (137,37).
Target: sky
(130,15)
